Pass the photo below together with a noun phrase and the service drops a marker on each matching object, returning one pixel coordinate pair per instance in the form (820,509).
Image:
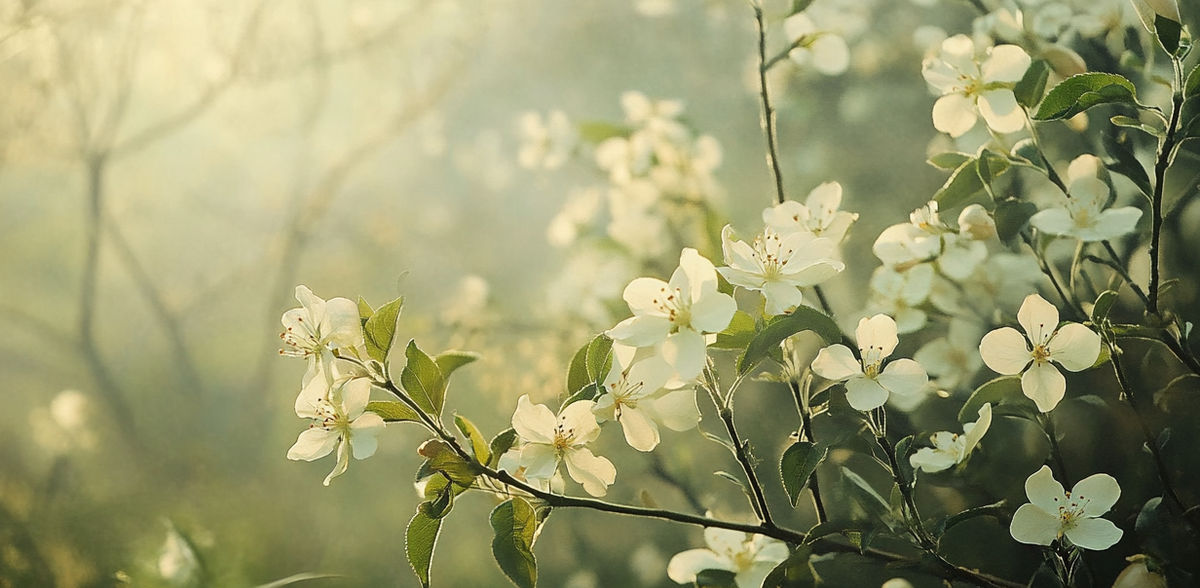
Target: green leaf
(715,578)
(1192,86)
(1012,216)
(500,445)
(442,458)
(423,380)
(798,463)
(867,498)
(588,392)
(1032,87)
(419,541)
(793,572)
(364,310)
(996,509)
(801,319)
(738,334)
(960,186)
(448,361)
(800,5)
(380,328)
(1122,159)
(590,364)
(393,411)
(514,526)
(1103,306)
(479,445)
(903,448)
(1129,122)
(1168,32)
(1005,390)
(1027,150)
(990,166)
(597,131)
(1081,92)
(948,160)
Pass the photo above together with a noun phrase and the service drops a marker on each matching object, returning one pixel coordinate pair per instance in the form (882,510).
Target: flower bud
(975,222)
(1139,575)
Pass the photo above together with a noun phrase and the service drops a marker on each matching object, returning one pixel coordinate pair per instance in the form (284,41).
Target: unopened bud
(975,222)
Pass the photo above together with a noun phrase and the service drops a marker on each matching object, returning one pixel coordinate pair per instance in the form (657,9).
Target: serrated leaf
(500,445)
(423,380)
(380,328)
(1005,390)
(420,538)
(1027,150)
(960,186)
(443,459)
(1168,32)
(514,525)
(588,392)
(449,361)
(738,334)
(1081,92)
(1032,87)
(798,463)
(1012,216)
(793,572)
(802,318)
(479,445)
(589,364)
(949,160)
(393,411)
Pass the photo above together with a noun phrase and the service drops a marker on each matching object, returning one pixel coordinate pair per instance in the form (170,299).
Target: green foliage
(1005,396)
(801,319)
(422,380)
(861,492)
(1081,92)
(379,328)
(1032,87)
(420,538)
(794,572)
(589,392)
(449,361)
(1191,87)
(738,334)
(1169,34)
(393,411)
(1129,122)
(948,160)
(1012,216)
(1122,160)
(500,444)
(715,579)
(598,131)
(1103,306)
(960,186)
(999,509)
(443,459)
(800,5)
(479,445)
(799,461)
(514,526)
(590,364)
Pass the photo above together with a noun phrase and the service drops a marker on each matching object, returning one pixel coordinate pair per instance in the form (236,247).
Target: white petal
(1001,111)
(904,377)
(1097,534)
(1043,490)
(1074,346)
(780,297)
(974,432)
(725,541)
(1007,63)
(362,434)
(685,351)
(676,410)
(865,394)
(534,422)
(310,398)
(343,462)
(931,460)
(641,331)
(1034,526)
(314,305)
(684,566)
(738,254)
(341,325)
(1039,318)
(640,432)
(787,217)
(313,443)
(1116,222)
(758,571)
(701,275)
(876,337)
(651,373)
(712,311)
(837,363)
(1005,351)
(644,296)
(1055,221)
(356,393)
(825,199)
(954,114)
(594,473)
(1045,385)
(831,55)
(1100,491)
(539,460)
(579,420)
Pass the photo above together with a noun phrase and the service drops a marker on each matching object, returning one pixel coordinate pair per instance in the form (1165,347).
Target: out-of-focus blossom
(1083,215)
(825,50)
(971,87)
(953,359)
(749,557)
(579,212)
(901,293)
(818,215)
(975,222)
(546,143)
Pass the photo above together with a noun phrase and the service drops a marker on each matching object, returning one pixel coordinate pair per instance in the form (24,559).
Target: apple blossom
(970,88)
(339,419)
(550,440)
(546,144)
(955,357)
(868,386)
(1073,346)
(1053,513)
(825,50)
(818,215)
(951,449)
(975,222)
(778,266)
(634,396)
(749,557)
(318,326)
(675,315)
(1083,215)
(900,294)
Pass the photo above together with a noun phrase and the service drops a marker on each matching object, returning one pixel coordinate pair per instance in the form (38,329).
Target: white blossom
(546,143)
(825,50)
(955,357)
(1053,514)
(635,395)
(950,449)
(818,215)
(1083,215)
(339,420)
(1033,355)
(976,223)
(971,87)
(867,385)
(749,557)
(318,326)
(778,265)
(551,439)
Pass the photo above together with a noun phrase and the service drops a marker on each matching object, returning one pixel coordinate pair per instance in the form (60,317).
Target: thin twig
(768,113)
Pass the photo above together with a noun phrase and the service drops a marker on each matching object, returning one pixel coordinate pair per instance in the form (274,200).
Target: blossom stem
(1160,465)
(768,113)
(1069,300)
(1055,452)
(1049,169)
(926,541)
(1165,149)
(806,434)
(759,499)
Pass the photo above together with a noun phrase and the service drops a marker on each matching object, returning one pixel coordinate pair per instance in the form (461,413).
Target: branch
(1160,172)
(768,113)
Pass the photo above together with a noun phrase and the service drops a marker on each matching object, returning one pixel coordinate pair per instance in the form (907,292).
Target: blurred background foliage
(170,170)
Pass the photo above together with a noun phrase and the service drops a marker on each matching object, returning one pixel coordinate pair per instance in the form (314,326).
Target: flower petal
(685,351)
(1074,346)
(539,460)
(931,460)
(1006,63)
(644,296)
(1039,318)
(904,377)
(865,394)
(701,275)
(712,311)
(341,325)
(343,462)
(1055,221)
(676,410)
(837,363)
(534,422)
(876,337)
(1045,385)
(1005,351)
(780,297)
(1034,526)
(313,443)
(1044,491)
(1097,534)
(594,473)
(954,114)
(640,432)
(362,434)
(641,331)
(356,393)
(1098,492)
(579,420)
(974,431)
(1116,222)
(684,566)
(1001,111)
